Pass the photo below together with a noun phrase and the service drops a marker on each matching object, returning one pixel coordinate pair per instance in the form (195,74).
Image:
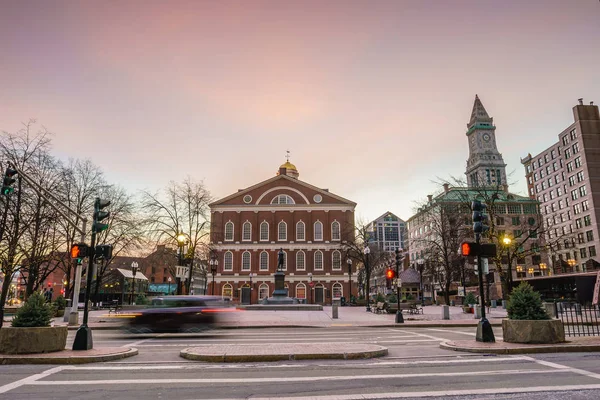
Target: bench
(410,308)
(114,306)
(381,307)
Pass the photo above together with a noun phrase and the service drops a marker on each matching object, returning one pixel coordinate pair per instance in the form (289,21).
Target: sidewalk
(573,344)
(347,316)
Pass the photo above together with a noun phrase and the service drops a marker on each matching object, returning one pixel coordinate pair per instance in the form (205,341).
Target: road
(415,368)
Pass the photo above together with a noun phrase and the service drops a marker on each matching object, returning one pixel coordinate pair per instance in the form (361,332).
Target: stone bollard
(494,303)
(504,304)
(334,309)
(445,312)
(477,312)
(550,309)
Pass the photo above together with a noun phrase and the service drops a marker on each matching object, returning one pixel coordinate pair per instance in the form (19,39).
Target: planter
(32,340)
(468,310)
(529,331)
(60,313)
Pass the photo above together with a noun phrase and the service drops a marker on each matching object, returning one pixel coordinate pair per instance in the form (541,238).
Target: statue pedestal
(280,294)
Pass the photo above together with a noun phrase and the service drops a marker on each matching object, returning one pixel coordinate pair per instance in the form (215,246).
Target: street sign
(596,289)
(181,272)
(311,284)
(461,291)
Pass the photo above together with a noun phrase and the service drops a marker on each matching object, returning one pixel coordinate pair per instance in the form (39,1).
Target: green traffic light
(6,190)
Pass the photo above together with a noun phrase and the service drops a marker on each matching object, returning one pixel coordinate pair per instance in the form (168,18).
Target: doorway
(246,291)
(319,295)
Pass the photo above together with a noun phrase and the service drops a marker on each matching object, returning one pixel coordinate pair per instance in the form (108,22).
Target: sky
(371,98)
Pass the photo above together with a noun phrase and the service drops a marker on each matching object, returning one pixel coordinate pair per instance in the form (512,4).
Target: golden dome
(288,165)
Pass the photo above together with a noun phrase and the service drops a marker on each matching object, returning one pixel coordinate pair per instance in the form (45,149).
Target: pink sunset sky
(371,97)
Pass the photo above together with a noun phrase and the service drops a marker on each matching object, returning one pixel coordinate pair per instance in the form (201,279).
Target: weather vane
(287,156)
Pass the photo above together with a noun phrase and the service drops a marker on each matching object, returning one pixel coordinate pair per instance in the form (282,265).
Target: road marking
(424,335)
(441,393)
(30,379)
(446,331)
(208,342)
(561,367)
(291,378)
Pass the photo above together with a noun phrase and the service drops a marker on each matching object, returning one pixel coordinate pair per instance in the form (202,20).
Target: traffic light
(8,181)
(100,215)
(479,217)
(79,251)
(469,249)
(104,251)
(390,274)
(398,257)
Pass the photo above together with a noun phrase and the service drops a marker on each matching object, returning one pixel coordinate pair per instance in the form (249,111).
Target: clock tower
(485,166)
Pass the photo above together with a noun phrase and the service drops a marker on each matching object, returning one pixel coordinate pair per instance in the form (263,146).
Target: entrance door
(245,295)
(319,295)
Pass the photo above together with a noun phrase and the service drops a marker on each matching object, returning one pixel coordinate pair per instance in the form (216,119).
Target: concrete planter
(32,340)
(529,331)
(468,310)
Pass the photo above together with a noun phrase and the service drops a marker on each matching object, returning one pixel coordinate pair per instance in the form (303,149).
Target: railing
(579,320)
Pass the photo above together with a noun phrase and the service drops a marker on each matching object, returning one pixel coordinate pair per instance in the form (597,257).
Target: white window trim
(227,286)
(260,232)
(339,285)
(249,261)
(339,231)
(260,288)
(315,231)
(232,231)
(333,268)
(304,255)
(225,264)
(301,285)
(279,231)
(315,261)
(260,267)
(303,231)
(243,231)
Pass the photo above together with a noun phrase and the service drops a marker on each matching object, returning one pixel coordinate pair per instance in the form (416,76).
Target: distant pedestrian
(45,294)
(50,295)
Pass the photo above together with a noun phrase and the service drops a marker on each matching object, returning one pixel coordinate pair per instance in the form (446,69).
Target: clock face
(486,137)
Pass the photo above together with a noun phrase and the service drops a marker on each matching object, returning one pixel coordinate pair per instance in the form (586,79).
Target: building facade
(308,224)
(388,232)
(565,179)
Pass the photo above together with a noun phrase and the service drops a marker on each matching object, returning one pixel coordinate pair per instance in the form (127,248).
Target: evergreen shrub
(525,303)
(470,299)
(34,313)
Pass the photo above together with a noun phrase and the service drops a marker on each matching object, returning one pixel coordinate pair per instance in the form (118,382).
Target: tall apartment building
(565,179)
(388,232)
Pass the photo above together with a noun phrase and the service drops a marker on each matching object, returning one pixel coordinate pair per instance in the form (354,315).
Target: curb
(523,349)
(238,358)
(18,359)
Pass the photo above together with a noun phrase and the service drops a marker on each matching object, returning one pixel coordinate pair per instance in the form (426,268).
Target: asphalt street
(415,368)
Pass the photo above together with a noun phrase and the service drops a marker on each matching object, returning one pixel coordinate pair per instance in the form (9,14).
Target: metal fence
(579,320)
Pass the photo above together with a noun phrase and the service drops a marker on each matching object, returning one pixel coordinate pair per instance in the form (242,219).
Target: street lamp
(180,243)
(250,276)
(543,268)
(421,263)
(367,251)
(310,286)
(169,279)
(519,269)
(572,263)
(349,262)
(530,270)
(507,241)
(214,264)
(134,268)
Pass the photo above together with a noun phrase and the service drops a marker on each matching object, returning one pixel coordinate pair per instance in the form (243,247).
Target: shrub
(470,299)
(525,303)
(392,298)
(34,313)
(60,302)
(380,298)
(141,300)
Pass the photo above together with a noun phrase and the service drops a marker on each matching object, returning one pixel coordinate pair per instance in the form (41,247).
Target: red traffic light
(468,249)
(390,274)
(79,250)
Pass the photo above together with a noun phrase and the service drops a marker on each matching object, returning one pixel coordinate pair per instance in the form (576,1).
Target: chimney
(283,171)
(580,101)
(591,103)
(429,198)
(446,187)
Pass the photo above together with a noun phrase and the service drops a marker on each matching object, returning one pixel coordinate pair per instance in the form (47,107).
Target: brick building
(248,228)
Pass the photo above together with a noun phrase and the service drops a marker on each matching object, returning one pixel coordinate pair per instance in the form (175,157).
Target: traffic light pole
(484,328)
(46,195)
(399,316)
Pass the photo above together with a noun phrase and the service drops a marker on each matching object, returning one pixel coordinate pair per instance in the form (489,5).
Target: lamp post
(572,263)
(349,262)
(134,268)
(519,269)
(214,264)
(169,279)
(421,263)
(250,276)
(367,251)
(310,286)
(399,258)
(530,270)
(180,244)
(507,241)
(543,268)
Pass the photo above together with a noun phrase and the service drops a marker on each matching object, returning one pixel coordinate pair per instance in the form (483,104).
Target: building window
(580,176)
(578,223)
(570,166)
(589,236)
(246,261)
(575,148)
(282,231)
(572,180)
(577,209)
(301,291)
(583,252)
(282,199)
(587,220)
(228,261)
(263,291)
(227,291)
(264,261)
(499,220)
(336,260)
(514,209)
(337,290)
(574,194)
(300,261)
(264,231)
(300,231)
(229,231)
(284,267)
(516,221)
(582,191)
(567,153)
(318,226)
(585,205)
(592,251)
(573,134)
(565,140)
(318,260)
(335,230)
(578,162)
(580,238)
(247,231)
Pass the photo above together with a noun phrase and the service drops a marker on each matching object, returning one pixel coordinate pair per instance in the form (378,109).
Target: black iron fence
(579,320)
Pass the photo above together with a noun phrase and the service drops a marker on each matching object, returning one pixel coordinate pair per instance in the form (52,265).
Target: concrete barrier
(477,314)
(445,312)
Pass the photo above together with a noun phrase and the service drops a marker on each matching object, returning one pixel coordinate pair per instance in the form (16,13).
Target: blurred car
(178,314)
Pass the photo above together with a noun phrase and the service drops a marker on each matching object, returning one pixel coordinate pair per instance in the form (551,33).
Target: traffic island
(282,352)
(70,356)
(579,344)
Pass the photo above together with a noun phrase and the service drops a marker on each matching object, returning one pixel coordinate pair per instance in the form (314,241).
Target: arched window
(247,231)
(300,230)
(229,231)
(246,261)
(335,230)
(300,261)
(337,290)
(263,291)
(318,230)
(227,291)
(228,261)
(336,260)
(301,291)
(264,231)
(282,199)
(282,231)
(264,261)
(318,260)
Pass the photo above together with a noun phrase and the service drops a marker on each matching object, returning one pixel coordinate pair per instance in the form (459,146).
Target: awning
(128,274)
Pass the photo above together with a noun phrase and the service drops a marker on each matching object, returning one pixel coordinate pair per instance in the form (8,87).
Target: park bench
(381,307)
(114,307)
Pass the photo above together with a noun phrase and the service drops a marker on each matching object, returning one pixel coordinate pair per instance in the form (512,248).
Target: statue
(280,260)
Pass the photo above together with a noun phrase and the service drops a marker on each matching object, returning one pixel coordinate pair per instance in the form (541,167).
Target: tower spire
(479,114)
